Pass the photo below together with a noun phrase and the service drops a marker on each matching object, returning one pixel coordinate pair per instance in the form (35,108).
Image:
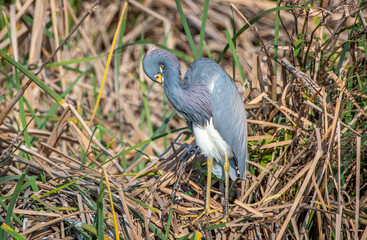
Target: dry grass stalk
(305,167)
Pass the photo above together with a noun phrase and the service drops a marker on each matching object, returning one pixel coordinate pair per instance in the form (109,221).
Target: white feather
(210,142)
(211,86)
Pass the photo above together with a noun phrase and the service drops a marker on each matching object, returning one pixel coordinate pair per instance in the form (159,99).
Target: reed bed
(91,149)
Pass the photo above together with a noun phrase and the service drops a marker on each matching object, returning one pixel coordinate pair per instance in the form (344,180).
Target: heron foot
(223,219)
(203,214)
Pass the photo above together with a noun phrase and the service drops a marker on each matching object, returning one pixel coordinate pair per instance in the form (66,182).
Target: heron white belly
(210,142)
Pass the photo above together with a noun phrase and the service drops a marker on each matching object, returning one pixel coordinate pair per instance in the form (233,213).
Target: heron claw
(219,220)
(205,213)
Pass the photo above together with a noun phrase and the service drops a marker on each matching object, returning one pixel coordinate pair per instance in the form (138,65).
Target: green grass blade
(74,61)
(46,205)
(145,142)
(33,183)
(192,236)
(216,226)
(235,56)
(343,54)
(234,43)
(9,178)
(160,129)
(143,88)
(63,186)
(32,112)
(145,41)
(252,21)
(11,232)
(105,130)
(23,118)
(33,77)
(13,199)
(203,24)
(143,204)
(276,37)
(3,205)
(187,29)
(168,223)
(99,217)
(164,116)
(207,50)
(117,52)
(196,236)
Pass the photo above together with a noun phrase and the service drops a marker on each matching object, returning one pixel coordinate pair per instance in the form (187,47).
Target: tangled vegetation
(91,149)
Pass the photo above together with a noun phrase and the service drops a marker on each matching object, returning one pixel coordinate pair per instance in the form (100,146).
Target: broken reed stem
(339,216)
(358,186)
(303,77)
(130,226)
(306,181)
(49,223)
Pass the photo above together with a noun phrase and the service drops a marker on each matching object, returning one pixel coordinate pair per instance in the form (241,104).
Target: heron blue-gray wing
(229,117)
(193,103)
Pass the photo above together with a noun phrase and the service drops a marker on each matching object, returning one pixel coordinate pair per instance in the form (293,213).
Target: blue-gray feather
(205,92)
(156,57)
(218,169)
(194,104)
(229,111)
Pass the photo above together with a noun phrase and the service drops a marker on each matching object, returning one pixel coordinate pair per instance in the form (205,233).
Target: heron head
(158,63)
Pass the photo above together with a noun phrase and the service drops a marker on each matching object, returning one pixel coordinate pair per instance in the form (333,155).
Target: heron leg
(208,184)
(226,175)
(207,210)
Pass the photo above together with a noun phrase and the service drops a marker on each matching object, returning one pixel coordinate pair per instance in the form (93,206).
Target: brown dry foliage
(305,170)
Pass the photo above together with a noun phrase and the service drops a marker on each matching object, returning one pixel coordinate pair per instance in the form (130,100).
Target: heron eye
(156,76)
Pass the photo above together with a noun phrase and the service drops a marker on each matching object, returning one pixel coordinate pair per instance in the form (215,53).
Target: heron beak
(159,78)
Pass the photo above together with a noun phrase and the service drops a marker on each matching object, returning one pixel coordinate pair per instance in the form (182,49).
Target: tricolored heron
(214,111)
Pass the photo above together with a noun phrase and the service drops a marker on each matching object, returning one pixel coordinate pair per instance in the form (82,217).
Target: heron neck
(172,86)
(172,80)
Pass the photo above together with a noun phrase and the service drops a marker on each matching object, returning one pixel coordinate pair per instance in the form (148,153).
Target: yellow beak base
(159,78)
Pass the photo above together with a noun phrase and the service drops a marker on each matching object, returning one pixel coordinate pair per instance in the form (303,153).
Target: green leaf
(144,143)
(297,42)
(187,29)
(33,77)
(63,186)
(235,56)
(11,232)
(296,51)
(203,24)
(99,217)
(12,202)
(168,223)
